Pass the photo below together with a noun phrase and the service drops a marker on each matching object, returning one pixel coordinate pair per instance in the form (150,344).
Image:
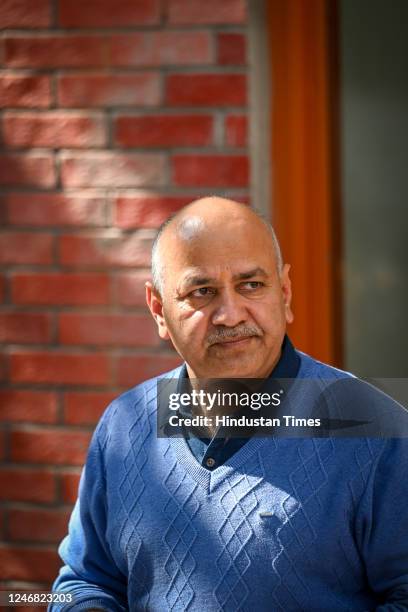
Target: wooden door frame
(306,212)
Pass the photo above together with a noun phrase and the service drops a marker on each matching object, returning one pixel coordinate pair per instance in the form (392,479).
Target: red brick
(24,91)
(29,169)
(26,328)
(130,288)
(211,171)
(133,369)
(27,485)
(49,209)
(50,446)
(70,289)
(231,48)
(55,51)
(25,248)
(28,564)
(114,329)
(146,211)
(33,608)
(3,365)
(105,13)
(25,13)
(108,169)
(106,250)
(33,406)
(161,48)
(61,368)
(41,525)
(236,131)
(86,408)
(2,288)
(77,90)
(211,11)
(164,130)
(2,446)
(54,129)
(206,90)
(69,487)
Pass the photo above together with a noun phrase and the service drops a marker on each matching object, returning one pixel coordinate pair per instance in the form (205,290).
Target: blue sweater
(285,524)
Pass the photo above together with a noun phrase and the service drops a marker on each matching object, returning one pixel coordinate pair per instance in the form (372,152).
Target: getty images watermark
(206,401)
(337,407)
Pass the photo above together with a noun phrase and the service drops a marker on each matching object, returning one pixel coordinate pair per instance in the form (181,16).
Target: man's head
(220,291)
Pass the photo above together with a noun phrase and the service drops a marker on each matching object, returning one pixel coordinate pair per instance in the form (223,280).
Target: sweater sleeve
(383,527)
(90,573)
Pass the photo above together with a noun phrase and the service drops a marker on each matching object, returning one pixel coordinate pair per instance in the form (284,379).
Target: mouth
(234,342)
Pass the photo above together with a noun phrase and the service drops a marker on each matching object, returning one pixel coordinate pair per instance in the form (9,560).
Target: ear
(155,305)
(287,293)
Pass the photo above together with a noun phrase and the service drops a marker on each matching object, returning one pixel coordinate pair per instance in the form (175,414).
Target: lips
(234,340)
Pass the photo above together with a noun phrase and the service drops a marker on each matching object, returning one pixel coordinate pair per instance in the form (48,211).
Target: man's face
(224,304)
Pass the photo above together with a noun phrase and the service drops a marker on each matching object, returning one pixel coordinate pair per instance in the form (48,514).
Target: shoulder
(313,368)
(357,402)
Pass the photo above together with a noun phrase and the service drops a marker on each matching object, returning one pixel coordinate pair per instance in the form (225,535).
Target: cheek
(270,316)
(186,313)
(198,316)
(191,323)
(194,322)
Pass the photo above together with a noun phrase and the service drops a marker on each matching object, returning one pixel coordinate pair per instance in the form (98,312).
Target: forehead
(229,248)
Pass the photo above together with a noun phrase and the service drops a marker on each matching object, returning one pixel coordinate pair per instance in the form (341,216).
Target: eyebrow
(254,272)
(194,279)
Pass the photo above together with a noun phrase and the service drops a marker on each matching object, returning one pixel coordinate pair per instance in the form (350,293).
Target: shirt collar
(289,361)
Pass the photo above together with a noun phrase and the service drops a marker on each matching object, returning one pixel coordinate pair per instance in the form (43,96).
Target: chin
(235,371)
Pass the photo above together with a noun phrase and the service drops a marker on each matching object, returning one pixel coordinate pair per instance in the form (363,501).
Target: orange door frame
(305,167)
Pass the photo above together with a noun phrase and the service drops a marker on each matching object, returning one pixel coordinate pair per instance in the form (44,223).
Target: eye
(202,292)
(252,285)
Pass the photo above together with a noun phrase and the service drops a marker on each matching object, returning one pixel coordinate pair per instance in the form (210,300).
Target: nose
(229,309)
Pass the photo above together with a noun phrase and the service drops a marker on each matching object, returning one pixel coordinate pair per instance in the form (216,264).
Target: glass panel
(374,101)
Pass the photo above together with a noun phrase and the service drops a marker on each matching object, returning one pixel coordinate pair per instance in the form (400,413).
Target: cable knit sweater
(285,524)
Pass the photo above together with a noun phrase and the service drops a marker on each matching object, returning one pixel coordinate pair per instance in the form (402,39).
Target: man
(207,523)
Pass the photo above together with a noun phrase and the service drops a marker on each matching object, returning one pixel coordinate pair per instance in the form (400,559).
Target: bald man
(209,521)
(219,292)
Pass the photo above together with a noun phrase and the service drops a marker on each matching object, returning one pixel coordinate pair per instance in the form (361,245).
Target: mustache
(227,333)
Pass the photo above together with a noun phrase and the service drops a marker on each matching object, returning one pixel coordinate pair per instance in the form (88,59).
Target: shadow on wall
(112,119)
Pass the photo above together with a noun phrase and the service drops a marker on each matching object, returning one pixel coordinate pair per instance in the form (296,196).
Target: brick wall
(114,113)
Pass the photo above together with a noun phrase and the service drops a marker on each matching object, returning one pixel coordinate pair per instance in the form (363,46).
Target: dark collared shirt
(215,451)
